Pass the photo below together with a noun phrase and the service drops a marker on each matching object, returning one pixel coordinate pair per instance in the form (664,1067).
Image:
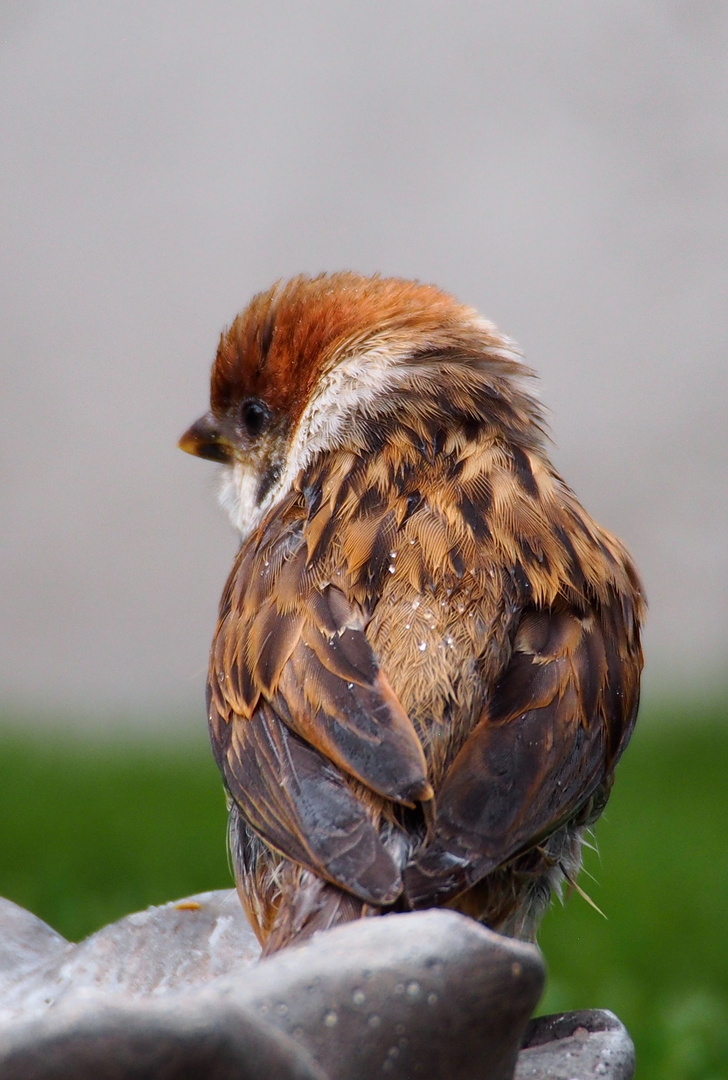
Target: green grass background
(92,828)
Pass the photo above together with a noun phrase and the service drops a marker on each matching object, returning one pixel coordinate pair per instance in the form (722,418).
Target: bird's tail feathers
(309,904)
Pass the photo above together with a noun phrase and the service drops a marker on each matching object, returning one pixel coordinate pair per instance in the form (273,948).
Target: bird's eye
(254,417)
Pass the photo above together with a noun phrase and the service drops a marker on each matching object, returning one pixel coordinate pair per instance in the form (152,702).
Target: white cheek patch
(360,384)
(353,386)
(238,497)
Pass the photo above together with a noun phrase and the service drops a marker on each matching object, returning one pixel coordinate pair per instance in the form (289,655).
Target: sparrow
(427,660)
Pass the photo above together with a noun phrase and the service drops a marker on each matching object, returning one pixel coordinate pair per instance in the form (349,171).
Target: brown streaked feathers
(427,661)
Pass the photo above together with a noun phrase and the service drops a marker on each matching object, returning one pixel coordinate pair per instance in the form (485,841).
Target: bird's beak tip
(188,442)
(203,439)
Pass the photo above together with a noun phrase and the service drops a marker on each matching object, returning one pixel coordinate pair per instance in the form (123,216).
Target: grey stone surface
(589,1045)
(26,943)
(428,994)
(163,1040)
(177,992)
(173,947)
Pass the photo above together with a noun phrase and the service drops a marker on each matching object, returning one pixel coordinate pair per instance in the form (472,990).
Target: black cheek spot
(267,481)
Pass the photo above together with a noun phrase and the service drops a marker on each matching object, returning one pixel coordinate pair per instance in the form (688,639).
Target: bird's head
(310,365)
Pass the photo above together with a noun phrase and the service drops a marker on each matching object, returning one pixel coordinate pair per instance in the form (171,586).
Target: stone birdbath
(179,991)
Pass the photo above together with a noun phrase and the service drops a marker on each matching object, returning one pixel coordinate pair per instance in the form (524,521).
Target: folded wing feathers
(536,756)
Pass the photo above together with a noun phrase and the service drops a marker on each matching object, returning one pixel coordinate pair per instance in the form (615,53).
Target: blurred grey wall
(560,165)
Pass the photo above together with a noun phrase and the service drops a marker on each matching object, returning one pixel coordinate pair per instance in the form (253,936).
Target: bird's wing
(301,805)
(549,736)
(298,702)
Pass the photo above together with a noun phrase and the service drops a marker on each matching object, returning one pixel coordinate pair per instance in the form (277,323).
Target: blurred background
(560,166)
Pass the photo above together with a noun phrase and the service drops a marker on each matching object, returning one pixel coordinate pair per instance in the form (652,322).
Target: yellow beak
(204,439)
